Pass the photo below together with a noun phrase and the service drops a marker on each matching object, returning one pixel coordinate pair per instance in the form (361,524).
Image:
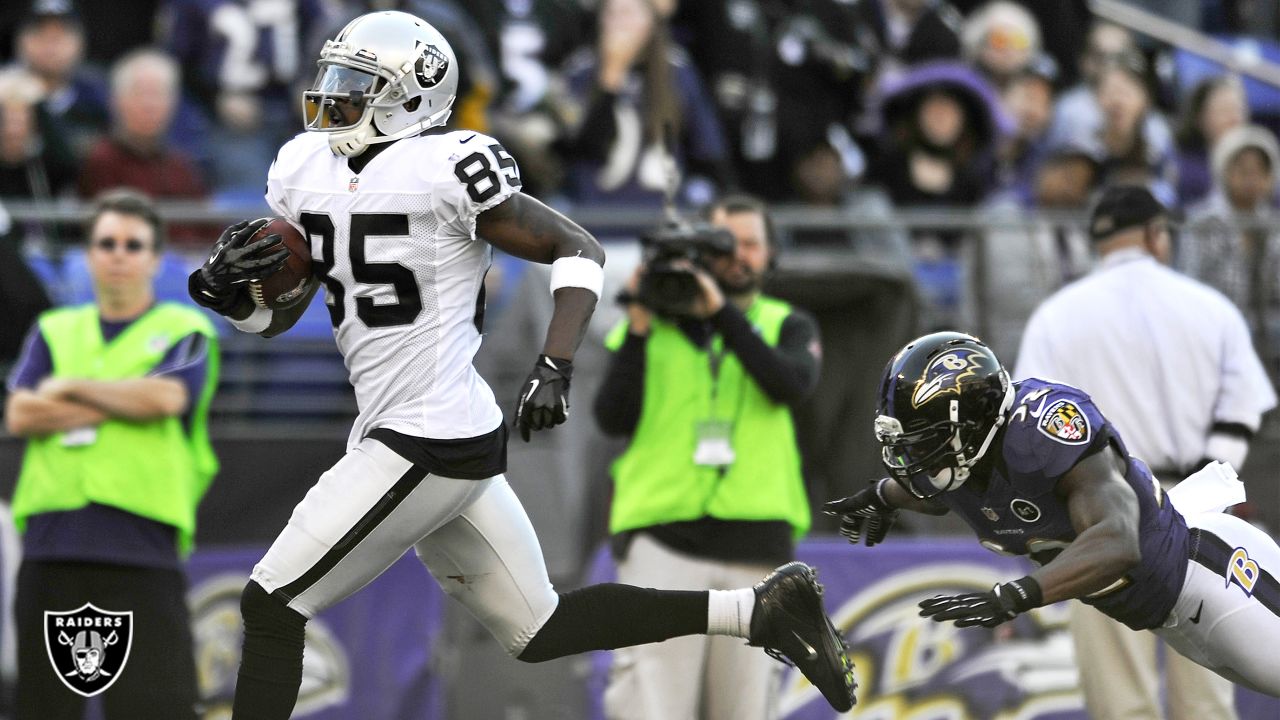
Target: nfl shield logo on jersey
(88,647)
(353,184)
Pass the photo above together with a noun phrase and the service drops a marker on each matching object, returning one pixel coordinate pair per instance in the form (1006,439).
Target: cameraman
(708,494)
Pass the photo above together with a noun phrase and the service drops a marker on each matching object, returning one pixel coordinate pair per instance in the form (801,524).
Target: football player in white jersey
(394,207)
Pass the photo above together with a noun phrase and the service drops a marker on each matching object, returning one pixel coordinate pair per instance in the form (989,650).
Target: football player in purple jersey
(1035,469)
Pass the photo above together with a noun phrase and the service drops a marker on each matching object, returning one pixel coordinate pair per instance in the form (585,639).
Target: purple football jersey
(1051,429)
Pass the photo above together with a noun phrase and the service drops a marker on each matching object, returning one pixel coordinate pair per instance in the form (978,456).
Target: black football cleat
(790,624)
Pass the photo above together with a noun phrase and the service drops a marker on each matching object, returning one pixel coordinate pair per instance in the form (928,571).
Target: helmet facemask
(341,102)
(939,457)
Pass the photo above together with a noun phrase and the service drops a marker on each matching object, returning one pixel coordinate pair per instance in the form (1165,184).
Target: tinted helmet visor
(339,98)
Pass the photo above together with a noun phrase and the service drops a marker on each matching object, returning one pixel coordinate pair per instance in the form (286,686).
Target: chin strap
(350,143)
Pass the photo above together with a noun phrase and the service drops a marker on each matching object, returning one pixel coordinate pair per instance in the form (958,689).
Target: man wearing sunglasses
(1035,469)
(112,398)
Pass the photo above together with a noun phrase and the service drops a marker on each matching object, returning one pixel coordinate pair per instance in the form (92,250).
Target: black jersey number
(476,172)
(408,302)
(322,266)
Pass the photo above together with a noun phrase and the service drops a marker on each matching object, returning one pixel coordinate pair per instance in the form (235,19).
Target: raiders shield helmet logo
(88,647)
(1065,422)
(431,67)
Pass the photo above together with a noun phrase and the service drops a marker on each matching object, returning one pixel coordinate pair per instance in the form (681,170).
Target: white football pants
(373,505)
(1227,617)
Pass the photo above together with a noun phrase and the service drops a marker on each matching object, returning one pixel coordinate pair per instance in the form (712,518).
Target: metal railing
(605,218)
(1166,31)
(256,372)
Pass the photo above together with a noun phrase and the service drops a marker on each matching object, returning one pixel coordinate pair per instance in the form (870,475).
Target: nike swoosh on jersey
(1196,618)
(464,142)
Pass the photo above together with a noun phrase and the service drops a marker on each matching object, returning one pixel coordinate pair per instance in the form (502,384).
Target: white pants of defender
(693,677)
(1234,633)
(472,535)
(1120,674)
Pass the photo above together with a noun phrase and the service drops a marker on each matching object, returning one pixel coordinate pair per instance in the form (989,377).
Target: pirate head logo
(88,647)
(944,374)
(431,66)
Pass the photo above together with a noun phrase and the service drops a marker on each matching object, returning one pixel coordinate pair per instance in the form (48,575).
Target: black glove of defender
(988,609)
(235,261)
(544,399)
(864,512)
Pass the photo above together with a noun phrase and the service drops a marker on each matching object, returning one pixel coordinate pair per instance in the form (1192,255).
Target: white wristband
(257,321)
(577,272)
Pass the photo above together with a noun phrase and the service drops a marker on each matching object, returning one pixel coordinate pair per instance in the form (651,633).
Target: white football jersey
(396,250)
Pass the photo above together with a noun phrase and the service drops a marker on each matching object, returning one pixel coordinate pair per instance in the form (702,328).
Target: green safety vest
(154,468)
(656,480)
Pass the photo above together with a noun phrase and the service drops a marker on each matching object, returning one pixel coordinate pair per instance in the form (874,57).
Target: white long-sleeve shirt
(1165,357)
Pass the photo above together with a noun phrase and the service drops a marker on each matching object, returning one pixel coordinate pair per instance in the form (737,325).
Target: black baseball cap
(51,9)
(1122,207)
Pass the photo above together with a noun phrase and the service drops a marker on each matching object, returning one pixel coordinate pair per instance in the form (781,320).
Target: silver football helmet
(386,76)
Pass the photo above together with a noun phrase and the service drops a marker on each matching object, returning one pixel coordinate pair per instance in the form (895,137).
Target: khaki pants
(1120,674)
(693,677)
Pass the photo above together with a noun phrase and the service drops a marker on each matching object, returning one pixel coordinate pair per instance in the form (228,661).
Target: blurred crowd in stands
(806,101)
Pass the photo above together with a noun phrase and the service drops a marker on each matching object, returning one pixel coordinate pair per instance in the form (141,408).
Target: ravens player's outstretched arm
(1104,513)
(900,498)
(868,514)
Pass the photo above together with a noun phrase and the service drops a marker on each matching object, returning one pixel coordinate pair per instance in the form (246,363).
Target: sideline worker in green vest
(708,494)
(112,398)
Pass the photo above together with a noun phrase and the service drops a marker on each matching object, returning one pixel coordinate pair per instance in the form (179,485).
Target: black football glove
(544,399)
(864,514)
(235,261)
(988,609)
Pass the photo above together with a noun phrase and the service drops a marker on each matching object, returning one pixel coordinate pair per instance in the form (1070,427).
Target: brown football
(290,283)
